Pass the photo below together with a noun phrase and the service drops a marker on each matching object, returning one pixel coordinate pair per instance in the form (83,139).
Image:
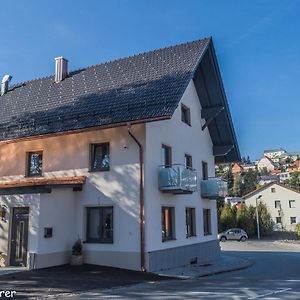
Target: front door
(19,237)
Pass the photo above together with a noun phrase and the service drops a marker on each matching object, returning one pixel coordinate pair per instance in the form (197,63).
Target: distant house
(248,167)
(294,166)
(236,169)
(234,201)
(265,163)
(284,176)
(282,202)
(274,153)
(289,155)
(265,179)
(120,155)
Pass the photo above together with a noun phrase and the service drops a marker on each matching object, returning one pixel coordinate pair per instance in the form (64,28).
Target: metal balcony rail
(177,179)
(214,188)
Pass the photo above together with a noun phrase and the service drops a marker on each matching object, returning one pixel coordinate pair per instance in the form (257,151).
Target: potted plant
(77,257)
(2,259)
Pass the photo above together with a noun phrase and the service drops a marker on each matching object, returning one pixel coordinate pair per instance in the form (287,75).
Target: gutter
(142,210)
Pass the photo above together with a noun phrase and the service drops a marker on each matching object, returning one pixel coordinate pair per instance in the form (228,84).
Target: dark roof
(143,87)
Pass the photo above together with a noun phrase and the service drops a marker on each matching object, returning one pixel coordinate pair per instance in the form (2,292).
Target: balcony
(213,188)
(177,179)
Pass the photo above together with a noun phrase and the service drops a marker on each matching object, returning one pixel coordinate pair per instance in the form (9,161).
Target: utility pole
(257,218)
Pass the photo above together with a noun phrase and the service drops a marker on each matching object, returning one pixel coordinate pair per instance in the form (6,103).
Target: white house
(274,153)
(120,155)
(266,163)
(282,202)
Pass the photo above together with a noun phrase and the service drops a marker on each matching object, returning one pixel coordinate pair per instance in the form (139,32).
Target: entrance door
(19,237)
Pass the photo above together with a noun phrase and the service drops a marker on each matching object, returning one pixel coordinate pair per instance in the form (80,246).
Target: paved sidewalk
(226,263)
(11,270)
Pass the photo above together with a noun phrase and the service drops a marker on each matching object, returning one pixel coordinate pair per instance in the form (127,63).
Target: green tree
(264,171)
(244,219)
(298,229)
(248,160)
(227,218)
(265,221)
(228,176)
(237,187)
(249,182)
(294,181)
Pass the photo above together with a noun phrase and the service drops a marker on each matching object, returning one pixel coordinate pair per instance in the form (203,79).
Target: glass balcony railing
(214,188)
(177,179)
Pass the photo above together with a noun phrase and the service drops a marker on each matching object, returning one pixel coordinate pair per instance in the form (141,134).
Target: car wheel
(243,239)
(223,239)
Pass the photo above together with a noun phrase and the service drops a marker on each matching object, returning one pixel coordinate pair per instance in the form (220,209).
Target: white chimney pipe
(61,69)
(4,84)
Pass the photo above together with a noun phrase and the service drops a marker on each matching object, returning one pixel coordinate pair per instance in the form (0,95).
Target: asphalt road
(275,274)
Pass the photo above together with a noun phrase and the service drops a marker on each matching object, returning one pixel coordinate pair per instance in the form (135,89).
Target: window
(34,163)
(206,221)
(278,220)
(99,224)
(100,157)
(273,190)
(292,204)
(185,114)
(204,170)
(166,156)
(188,161)
(277,204)
(167,218)
(293,220)
(190,222)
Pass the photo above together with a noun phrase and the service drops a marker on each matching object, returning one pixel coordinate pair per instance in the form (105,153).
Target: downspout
(142,210)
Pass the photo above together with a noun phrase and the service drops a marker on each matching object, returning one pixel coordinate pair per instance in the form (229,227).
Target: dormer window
(34,164)
(185,115)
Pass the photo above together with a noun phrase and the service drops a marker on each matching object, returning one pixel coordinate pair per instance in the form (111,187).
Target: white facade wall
(265,163)
(283,195)
(183,139)
(65,210)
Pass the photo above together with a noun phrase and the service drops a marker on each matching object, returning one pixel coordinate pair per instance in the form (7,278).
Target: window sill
(97,171)
(169,240)
(97,242)
(191,236)
(207,234)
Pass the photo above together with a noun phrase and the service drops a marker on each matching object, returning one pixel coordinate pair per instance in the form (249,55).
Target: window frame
(99,240)
(294,218)
(169,155)
(276,202)
(186,114)
(190,224)
(204,170)
(92,157)
(207,222)
(290,204)
(277,220)
(171,213)
(28,162)
(188,161)
(273,190)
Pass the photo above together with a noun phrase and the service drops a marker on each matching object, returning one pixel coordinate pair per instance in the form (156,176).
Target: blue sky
(257,43)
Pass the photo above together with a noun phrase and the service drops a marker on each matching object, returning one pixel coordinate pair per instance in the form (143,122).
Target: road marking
(271,293)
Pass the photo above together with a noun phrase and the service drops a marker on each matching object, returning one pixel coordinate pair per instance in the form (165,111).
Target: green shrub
(77,248)
(227,218)
(244,219)
(298,229)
